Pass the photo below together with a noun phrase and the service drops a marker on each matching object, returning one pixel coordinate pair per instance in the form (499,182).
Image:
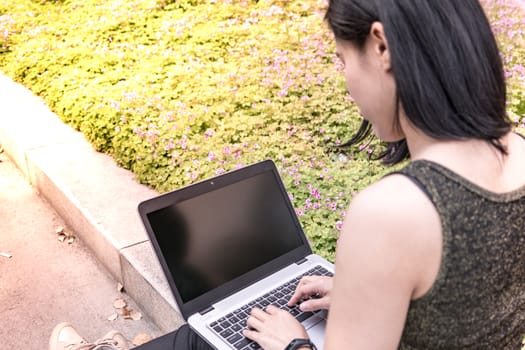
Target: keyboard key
(242,343)
(225,324)
(234,338)
(282,302)
(303,316)
(226,333)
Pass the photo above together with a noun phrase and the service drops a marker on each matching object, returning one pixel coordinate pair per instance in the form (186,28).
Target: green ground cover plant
(177,91)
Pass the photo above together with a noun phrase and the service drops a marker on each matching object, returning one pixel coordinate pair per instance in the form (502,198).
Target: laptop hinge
(302,261)
(205,311)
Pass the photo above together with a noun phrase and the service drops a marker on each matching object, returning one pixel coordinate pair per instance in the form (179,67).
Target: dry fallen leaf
(113,317)
(70,240)
(141,338)
(120,287)
(119,303)
(135,315)
(6,255)
(61,238)
(59,230)
(129,314)
(126,313)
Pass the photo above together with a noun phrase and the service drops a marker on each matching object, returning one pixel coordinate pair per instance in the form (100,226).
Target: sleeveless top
(478,299)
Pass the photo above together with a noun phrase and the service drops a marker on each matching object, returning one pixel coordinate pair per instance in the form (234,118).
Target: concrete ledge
(97,199)
(144,281)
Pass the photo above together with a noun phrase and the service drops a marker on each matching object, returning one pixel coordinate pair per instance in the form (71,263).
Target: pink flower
(316,193)
(209,133)
(169,146)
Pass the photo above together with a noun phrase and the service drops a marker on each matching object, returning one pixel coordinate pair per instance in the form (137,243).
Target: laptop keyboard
(230,326)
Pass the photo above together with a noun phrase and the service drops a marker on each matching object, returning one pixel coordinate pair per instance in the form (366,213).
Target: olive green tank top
(478,299)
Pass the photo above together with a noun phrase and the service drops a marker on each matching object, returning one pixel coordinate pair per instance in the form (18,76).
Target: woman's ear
(380,45)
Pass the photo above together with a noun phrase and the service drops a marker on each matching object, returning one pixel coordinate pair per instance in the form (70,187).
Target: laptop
(228,244)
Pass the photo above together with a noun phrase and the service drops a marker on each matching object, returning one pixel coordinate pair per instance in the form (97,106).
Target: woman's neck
(474,159)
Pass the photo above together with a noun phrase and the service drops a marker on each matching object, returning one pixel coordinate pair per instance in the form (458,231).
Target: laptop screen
(228,230)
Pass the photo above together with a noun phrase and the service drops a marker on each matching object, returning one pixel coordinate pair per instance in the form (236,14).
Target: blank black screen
(220,235)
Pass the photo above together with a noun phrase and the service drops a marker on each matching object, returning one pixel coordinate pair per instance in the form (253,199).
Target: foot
(65,337)
(115,338)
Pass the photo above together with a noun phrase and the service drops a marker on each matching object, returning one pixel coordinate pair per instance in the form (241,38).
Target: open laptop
(228,244)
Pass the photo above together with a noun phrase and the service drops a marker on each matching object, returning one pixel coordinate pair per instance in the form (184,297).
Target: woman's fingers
(259,313)
(303,290)
(273,328)
(254,322)
(309,286)
(314,304)
(252,335)
(272,309)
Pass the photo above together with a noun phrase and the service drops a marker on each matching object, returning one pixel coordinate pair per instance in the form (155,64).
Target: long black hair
(446,65)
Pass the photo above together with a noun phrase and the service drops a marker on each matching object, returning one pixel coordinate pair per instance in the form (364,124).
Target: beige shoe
(65,337)
(117,339)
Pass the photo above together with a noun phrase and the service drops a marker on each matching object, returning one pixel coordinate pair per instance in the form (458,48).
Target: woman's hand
(315,290)
(273,328)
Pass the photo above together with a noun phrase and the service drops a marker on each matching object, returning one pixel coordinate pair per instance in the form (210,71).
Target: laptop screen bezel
(207,299)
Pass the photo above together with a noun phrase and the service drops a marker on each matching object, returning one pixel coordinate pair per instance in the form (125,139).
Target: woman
(431,257)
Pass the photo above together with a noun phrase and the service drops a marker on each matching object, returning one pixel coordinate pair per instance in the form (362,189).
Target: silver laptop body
(226,244)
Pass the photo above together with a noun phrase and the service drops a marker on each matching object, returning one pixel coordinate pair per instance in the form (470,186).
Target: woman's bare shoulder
(394,196)
(393,224)
(394,206)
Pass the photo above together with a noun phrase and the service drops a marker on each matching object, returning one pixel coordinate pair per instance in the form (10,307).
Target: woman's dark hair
(446,65)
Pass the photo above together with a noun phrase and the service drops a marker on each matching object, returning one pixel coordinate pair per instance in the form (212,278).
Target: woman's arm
(388,253)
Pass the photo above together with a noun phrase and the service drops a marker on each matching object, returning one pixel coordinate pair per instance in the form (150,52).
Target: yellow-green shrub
(178,91)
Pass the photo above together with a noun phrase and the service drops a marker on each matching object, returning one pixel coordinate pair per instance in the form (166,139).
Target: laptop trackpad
(316,331)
